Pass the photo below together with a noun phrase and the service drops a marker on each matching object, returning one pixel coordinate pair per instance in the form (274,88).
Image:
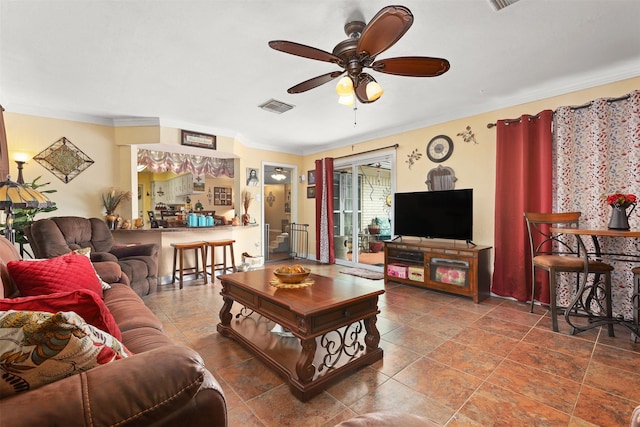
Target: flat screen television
(435,214)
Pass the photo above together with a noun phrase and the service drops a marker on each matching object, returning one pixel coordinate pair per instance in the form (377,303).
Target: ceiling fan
(359,51)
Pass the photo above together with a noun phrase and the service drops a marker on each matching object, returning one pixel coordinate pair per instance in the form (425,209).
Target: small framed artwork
(222,196)
(195,139)
(311,192)
(198,183)
(311,177)
(252,177)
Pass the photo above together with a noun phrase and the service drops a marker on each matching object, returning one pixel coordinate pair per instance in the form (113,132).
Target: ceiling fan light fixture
(374,91)
(347,100)
(345,86)
(278,175)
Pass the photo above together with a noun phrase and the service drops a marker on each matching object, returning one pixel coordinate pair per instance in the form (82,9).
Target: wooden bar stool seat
(200,251)
(224,244)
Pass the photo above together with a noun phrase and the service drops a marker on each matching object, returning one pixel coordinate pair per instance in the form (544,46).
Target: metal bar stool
(178,251)
(635,300)
(224,244)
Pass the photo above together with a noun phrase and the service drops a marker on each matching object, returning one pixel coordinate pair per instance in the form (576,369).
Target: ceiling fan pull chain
(355,111)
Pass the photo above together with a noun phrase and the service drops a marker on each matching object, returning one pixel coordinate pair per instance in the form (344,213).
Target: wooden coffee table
(333,323)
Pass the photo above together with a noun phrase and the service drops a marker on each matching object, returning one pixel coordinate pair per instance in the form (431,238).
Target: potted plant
(246,202)
(111,200)
(23,217)
(374,227)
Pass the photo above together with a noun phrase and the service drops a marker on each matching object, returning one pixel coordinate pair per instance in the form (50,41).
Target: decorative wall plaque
(222,196)
(64,160)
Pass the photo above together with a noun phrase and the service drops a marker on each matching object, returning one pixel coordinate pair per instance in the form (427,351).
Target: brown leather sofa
(52,237)
(162,384)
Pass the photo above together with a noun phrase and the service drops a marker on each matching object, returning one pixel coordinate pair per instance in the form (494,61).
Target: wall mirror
(441,178)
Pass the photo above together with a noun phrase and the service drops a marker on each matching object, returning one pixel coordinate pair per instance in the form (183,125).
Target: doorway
(362,203)
(279,207)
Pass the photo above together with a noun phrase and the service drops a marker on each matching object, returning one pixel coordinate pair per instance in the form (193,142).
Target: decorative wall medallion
(271,198)
(413,157)
(468,135)
(64,160)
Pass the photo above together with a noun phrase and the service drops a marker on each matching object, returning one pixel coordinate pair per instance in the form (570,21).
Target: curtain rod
(577,107)
(368,151)
(590,103)
(509,121)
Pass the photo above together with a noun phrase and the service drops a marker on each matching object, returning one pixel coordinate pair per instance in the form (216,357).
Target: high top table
(585,293)
(332,326)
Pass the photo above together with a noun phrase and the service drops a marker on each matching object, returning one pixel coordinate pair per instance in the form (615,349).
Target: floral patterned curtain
(325,251)
(597,153)
(161,161)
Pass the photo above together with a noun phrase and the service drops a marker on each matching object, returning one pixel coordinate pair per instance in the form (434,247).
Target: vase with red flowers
(619,216)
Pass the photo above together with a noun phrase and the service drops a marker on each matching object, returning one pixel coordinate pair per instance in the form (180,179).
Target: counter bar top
(175,229)
(245,237)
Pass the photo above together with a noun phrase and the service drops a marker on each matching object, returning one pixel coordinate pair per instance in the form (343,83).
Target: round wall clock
(439,148)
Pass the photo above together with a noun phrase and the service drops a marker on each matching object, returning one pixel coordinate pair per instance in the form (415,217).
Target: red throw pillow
(84,303)
(61,274)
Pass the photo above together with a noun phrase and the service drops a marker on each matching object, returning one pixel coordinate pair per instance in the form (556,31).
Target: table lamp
(20,159)
(14,195)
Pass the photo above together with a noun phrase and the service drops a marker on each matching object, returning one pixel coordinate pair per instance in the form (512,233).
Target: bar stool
(635,301)
(224,244)
(178,251)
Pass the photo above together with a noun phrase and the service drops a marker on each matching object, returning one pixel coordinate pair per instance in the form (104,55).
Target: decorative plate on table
(276,283)
(292,277)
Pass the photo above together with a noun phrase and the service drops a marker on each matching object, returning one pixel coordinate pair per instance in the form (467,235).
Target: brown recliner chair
(51,237)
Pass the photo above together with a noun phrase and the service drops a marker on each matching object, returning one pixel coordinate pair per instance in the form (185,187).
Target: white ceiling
(206,65)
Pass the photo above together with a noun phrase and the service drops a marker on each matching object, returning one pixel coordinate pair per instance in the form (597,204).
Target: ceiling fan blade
(361,89)
(412,66)
(384,30)
(314,82)
(303,51)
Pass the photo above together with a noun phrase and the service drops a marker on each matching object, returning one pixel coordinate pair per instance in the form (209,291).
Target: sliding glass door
(362,209)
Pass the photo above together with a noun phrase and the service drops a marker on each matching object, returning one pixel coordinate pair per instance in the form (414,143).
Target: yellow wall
(474,164)
(81,196)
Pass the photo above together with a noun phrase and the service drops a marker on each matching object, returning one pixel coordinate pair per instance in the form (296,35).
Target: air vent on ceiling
(501,4)
(275,106)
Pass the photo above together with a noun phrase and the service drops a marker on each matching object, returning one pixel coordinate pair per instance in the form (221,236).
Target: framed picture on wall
(202,140)
(311,192)
(198,183)
(252,177)
(311,177)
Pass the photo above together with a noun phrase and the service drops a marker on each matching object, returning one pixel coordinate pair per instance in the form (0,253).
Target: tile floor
(446,358)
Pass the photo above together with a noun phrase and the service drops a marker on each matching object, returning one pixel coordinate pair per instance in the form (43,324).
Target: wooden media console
(457,268)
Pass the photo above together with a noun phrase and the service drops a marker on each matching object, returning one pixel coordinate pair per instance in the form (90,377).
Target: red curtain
(324,211)
(524,173)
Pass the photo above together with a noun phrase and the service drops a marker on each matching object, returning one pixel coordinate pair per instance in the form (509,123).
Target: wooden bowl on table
(290,275)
